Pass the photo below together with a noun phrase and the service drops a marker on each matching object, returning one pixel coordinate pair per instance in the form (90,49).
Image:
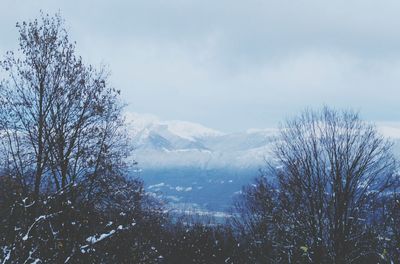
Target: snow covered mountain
(193,167)
(167,144)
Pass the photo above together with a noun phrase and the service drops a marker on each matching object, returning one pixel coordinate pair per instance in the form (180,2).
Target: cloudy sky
(233,65)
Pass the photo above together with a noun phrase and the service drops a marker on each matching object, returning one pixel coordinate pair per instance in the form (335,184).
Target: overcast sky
(233,65)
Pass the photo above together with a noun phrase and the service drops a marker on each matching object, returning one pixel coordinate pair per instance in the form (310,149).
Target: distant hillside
(192,167)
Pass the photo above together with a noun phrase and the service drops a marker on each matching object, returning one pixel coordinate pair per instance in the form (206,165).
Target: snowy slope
(183,144)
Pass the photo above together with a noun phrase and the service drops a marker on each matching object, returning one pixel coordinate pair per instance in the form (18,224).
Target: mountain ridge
(175,143)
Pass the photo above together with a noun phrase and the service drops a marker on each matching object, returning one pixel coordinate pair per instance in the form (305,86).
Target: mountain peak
(183,129)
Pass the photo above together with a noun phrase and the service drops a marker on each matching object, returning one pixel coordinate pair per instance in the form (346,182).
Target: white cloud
(236,64)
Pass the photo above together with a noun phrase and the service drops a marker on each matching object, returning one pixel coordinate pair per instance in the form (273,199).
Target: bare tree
(61,121)
(330,168)
(254,222)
